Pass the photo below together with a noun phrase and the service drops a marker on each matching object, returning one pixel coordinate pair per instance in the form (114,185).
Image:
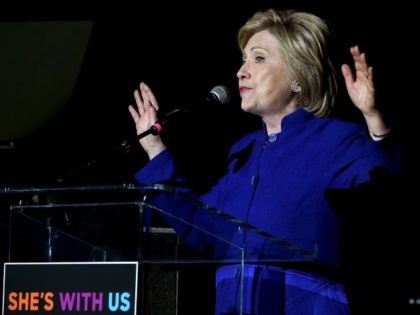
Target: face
(264,83)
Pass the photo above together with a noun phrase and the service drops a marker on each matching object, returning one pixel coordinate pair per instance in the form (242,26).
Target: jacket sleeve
(357,157)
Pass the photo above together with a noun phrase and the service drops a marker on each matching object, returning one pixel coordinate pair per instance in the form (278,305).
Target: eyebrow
(259,47)
(254,48)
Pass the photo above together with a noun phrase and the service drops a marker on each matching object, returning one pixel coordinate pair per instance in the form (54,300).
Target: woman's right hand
(144,117)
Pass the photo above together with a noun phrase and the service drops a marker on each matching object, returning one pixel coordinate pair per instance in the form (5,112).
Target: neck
(273,122)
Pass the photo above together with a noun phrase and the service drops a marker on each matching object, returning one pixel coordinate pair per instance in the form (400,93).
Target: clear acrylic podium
(165,227)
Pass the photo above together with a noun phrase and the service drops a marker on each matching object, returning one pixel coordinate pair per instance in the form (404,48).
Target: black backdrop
(182,50)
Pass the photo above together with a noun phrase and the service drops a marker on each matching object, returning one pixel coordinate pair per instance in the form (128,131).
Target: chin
(246,107)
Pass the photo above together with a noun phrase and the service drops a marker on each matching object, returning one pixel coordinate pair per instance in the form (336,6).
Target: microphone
(219,95)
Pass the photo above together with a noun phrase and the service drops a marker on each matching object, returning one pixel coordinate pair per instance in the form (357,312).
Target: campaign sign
(70,288)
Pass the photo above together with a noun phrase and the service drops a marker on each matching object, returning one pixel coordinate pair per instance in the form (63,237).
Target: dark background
(182,50)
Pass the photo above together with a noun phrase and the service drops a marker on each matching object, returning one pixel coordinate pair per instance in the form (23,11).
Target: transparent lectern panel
(72,224)
(205,233)
(165,230)
(35,240)
(214,235)
(211,237)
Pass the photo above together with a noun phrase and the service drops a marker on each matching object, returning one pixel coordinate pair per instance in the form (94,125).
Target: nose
(242,72)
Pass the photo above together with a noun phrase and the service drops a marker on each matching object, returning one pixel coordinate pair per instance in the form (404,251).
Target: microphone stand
(155,130)
(124,144)
(7,145)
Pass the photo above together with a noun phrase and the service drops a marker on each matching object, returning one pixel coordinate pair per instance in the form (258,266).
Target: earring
(294,86)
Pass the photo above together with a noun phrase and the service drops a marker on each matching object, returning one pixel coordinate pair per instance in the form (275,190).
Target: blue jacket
(278,183)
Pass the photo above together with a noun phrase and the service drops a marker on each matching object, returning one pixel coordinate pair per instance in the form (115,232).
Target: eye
(259,59)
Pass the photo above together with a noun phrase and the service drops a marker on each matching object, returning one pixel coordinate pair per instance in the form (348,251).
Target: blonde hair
(302,39)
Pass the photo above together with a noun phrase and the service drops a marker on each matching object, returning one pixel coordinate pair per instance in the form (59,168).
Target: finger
(139,102)
(354,50)
(147,92)
(363,63)
(360,62)
(145,96)
(371,86)
(134,114)
(347,74)
(370,73)
(151,112)
(363,71)
(360,65)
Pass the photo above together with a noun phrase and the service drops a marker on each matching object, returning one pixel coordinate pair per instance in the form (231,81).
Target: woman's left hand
(360,88)
(362,93)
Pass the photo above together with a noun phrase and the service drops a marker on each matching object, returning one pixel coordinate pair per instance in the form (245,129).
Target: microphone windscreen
(221,94)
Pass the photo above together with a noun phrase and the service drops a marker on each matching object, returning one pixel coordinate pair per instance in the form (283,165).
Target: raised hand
(360,87)
(361,91)
(144,117)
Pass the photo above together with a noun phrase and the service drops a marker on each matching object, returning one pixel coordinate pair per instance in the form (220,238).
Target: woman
(279,177)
